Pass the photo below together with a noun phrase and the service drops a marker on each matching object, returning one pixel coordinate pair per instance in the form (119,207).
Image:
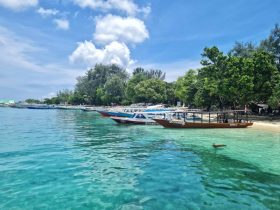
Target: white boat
(141,118)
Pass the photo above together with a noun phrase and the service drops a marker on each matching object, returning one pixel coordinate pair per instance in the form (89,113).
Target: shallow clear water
(59,159)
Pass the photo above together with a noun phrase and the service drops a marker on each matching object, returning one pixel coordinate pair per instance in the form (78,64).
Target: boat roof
(155,112)
(211,112)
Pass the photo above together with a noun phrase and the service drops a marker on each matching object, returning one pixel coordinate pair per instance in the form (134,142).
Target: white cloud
(23,76)
(113,53)
(113,33)
(146,10)
(62,24)
(14,50)
(127,6)
(47,12)
(115,28)
(18,4)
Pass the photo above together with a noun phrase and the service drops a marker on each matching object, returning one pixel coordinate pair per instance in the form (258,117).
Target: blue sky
(45,45)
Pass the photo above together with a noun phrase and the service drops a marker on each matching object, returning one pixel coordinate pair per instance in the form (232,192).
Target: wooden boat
(221,121)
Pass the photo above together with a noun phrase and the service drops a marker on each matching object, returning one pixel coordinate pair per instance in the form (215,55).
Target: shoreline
(261,125)
(272,126)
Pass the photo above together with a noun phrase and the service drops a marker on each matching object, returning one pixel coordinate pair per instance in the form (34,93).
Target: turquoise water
(59,159)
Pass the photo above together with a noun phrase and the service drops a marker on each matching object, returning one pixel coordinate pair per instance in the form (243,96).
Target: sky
(46,44)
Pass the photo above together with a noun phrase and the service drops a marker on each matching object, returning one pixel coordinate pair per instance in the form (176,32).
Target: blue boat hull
(115,114)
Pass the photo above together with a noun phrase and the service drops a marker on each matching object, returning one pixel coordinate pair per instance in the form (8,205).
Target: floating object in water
(218,145)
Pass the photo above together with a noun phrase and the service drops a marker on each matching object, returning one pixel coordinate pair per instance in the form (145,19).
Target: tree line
(247,74)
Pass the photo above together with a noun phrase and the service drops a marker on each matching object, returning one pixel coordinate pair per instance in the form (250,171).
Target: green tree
(265,70)
(94,81)
(171,98)
(244,50)
(211,76)
(139,74)
(274,99)
(186,87)
(150,91)
(272,44)
(77,99)
(238,81)
(64,96)
(115,90)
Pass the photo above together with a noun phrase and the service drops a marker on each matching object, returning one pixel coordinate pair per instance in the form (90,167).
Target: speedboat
(136,119)
(141,118)
(129,111)
(114,113)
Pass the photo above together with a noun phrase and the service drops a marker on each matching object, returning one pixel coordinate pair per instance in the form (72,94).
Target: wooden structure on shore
(221,119)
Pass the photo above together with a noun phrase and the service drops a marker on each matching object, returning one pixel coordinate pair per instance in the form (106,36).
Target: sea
(63,159)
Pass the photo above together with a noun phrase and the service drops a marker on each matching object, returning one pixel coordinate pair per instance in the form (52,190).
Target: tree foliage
(186,87)
(150,91)
(272,44)
(248,73)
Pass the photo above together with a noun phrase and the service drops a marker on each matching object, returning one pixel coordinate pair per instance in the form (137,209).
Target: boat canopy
(211,112)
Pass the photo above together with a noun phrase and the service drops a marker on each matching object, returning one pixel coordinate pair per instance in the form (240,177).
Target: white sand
(267,126)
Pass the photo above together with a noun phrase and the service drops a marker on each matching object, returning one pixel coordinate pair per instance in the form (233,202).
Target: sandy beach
(273,126)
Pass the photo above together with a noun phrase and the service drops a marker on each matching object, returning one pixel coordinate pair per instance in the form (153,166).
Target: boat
(140,118)
(224,119)
(19,105)
(129,111)
(89,109)
(136,119)
(40,106)
(69,107)
(114,113)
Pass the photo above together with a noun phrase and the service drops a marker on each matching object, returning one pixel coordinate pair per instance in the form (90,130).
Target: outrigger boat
(221,119)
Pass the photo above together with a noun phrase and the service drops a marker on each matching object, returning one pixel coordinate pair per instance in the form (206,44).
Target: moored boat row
(183,118)
(159,115)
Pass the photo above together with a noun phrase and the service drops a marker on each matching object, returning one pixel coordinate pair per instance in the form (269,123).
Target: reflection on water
(57,159)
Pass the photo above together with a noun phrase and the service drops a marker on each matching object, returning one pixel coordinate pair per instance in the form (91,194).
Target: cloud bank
(47,12)
(115,28)
(115,52)
(113,34)
(127,6)
(18,4)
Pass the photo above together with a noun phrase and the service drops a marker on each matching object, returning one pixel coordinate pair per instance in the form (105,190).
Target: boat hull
(33,107)
(104,113)
(115,114)
(180,124)
(132,121)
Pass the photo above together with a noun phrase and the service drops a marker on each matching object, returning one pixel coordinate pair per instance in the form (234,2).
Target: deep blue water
(59,159)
